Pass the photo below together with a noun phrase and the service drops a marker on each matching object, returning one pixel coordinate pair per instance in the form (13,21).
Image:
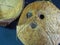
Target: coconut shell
(39,24)
(10,10)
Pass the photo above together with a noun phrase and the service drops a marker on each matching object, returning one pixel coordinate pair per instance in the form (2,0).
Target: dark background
(8,33)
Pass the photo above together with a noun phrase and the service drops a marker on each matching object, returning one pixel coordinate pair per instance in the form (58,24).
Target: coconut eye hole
(29,14)
(41,16)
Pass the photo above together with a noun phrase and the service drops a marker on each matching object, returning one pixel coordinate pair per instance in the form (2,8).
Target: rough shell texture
(9,10)
(47,31)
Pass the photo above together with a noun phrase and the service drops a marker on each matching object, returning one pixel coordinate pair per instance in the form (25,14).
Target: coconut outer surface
(10,10)
(46,30)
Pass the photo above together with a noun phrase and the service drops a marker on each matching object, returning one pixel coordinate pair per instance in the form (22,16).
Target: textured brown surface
(47,31)
(6,22)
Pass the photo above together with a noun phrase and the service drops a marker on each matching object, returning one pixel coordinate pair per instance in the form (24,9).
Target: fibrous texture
(39,24)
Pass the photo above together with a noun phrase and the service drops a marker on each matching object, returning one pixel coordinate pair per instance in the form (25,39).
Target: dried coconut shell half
(10,10)
(38,24)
